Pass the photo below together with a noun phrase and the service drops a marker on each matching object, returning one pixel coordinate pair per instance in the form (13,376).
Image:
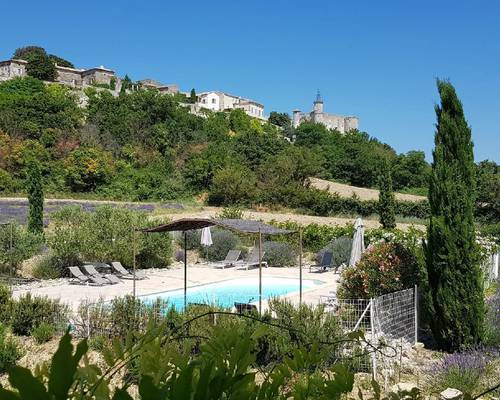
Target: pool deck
(173,278)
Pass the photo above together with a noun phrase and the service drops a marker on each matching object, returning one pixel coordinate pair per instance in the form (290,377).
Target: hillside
(344,190)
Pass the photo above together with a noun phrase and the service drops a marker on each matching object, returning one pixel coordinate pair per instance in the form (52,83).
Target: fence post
(88,321)
(372,327)
(415,299)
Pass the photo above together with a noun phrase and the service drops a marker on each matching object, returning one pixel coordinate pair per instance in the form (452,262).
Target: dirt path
(363,193)
(208,212)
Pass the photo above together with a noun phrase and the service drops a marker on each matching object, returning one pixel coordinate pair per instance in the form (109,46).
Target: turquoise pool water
(226,293)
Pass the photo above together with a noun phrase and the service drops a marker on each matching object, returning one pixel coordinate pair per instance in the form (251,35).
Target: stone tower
(318,104)
(317,113)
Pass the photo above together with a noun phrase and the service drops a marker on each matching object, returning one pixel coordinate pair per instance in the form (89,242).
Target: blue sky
(374,59)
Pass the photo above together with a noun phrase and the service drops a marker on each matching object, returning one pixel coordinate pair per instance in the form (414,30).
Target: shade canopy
(238,225)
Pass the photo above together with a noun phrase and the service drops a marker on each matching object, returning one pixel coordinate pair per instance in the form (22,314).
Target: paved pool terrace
(173,278)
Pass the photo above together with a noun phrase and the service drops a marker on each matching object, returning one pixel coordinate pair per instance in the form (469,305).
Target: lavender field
(16,210)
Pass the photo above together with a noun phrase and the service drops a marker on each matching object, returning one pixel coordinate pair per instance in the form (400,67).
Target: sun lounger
(78,277)
(325,264)
(252,260)
(230,260)
(91,271)
(242,308)
(124,273)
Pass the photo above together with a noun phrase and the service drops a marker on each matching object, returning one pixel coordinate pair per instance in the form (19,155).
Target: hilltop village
(105,78)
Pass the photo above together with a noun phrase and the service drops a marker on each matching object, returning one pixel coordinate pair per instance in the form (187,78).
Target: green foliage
(451,253)
(9,350)
(488,191)
(231,213)
(43,333)
(41,67)
(87,168)
(341,250)
(278,254)
(386,198)
(385,268)
(28,312)
(46,266)
(28,107)
(24,246)
(61,61)
(233,185)
(74,238)
(192,96)
(223,369)
(223,241)
(35,199)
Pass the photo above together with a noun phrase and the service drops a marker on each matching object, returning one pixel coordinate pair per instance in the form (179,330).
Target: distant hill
(344,190)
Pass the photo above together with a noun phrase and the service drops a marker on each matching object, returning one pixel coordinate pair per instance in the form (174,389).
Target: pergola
(236,225)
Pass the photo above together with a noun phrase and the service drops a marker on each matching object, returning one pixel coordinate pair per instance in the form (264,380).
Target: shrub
(223,241)
(466,371)
(492,320)
(279,254)
(231,213)
(24,245)
(9,350)
(341,249)
(385,268)
(28,312)
(74,238)
(97,342)
(46,266)
(233,185)
(43,333)
(5,297)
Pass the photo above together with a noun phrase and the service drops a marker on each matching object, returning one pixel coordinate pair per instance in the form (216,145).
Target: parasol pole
(134,250)
(185,269)
(300,266)
(260,272)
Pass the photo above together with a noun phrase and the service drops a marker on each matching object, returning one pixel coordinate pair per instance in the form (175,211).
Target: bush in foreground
(385,268)
(43,333)
(9,350)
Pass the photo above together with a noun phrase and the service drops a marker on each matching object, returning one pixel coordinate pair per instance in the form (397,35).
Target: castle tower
(318,104)
(296,118)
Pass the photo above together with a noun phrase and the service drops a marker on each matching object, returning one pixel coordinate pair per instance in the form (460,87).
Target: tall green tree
(40,66)
(452,258)
(192,96)
(386,200)
(35,198)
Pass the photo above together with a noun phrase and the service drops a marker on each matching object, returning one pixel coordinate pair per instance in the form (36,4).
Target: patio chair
(252,260)
(230,260)
(91,271)
(325,264)
(242,308)
(123,273)
(78,277)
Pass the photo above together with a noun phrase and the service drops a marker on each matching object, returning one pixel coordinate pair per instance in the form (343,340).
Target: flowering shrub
(467,371)
(384,268)
(492,320)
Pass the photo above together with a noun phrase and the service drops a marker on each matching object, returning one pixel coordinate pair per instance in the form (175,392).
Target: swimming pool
(226,293)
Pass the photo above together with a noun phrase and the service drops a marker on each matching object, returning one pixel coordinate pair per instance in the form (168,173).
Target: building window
(213,101)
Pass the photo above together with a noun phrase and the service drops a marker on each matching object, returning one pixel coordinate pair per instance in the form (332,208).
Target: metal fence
(389,323)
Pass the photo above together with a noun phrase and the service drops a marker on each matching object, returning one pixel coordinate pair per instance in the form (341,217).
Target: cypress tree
(452,255)
(192,96)
(35,198)
(386,201)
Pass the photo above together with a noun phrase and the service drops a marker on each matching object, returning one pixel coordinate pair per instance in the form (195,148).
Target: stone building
(341,123)
(10,69)
(171,88)
(220,101)
(74,77)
